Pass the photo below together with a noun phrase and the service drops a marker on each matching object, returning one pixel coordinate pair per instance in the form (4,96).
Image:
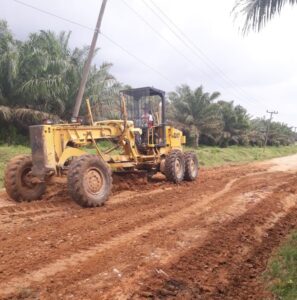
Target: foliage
(258,12)
(40,77)
(279,133)
(282,270)
(215,156)
(6,153)
(12,136)
(197,110)
(221,123)
(236,124)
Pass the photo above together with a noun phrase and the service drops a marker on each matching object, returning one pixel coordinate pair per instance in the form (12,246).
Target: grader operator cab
(146,108)
(141,142)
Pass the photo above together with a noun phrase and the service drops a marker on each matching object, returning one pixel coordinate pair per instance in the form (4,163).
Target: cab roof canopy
(142,92)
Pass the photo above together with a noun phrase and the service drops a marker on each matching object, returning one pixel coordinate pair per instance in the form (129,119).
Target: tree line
(206,118)
(39,79)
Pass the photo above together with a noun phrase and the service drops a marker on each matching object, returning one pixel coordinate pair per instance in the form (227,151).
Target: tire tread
(188,157)
(74,179)
(170,165)
(11,180)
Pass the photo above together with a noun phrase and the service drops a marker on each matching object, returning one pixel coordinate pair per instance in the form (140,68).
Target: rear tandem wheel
(175,166)
(191,166)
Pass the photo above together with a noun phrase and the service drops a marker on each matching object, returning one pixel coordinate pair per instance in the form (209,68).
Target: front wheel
(191,166)
(19,182)
(89,181)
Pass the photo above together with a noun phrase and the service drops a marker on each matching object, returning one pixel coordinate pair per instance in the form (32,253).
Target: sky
(257,71)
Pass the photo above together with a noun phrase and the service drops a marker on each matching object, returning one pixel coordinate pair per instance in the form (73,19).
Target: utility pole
(87,65)
(268,125)
(294,128)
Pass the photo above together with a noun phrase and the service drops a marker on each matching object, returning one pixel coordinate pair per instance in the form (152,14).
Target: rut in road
(131,246)
(233,210)
(229,264)
(97,249)
(26,250)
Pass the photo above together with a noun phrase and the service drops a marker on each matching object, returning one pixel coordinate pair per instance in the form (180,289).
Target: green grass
(208,156)
(6,153)
(281,273)
(215,156)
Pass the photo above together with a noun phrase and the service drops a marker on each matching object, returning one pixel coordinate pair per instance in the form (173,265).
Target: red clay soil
(208,239)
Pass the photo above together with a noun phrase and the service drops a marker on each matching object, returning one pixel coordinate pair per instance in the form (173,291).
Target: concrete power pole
(294,129)
(268,125)
(87,65)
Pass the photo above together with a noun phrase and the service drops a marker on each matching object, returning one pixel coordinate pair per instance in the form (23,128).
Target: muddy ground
(208,239)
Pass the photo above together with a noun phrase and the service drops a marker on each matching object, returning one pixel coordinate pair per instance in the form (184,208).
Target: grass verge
(215,156)
(281,273)
(6,153)
(208,156)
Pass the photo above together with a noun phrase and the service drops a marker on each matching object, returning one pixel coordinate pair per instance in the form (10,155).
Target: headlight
(48,122)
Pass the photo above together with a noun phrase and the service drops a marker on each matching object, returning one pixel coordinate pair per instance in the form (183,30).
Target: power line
(102,34)
(137,58)
(117,44)
(191,62)
(186,40)
(190,44)
(157,32)
(53,15)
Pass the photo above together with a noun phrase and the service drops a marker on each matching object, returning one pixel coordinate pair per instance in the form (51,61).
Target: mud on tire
(191,166)
(89,181)
(17,180)
(175,166)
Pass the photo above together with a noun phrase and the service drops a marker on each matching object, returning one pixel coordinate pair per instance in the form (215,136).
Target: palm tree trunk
(197,137)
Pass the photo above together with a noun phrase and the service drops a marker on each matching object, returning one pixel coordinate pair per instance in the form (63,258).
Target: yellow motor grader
(141,142)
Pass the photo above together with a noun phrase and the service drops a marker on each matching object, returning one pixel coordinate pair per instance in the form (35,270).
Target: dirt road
(208,239)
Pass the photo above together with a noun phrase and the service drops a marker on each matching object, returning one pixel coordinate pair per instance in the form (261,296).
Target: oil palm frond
(30,116)
(258,12)
(5,113)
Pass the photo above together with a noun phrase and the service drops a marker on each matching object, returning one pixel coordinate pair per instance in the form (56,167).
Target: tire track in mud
(20,210)
(19,214)
(229,263)
(194,232)
(86,224)
(199,231)
(56,201)
(16,215)
(64,263)
(137,275)
(172,220)
(49,240)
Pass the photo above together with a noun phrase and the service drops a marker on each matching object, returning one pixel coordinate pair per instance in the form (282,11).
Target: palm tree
(236,124)
(9,59)
(258,12)
(197,109)
(103,90)
(39,78)
(44,63)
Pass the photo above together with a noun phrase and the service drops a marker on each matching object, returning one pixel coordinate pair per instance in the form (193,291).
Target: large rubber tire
(89,181)
(175,166)
(17,182)
(191,166)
